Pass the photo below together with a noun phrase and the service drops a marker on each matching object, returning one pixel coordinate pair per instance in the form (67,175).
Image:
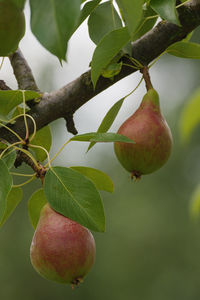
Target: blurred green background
(151,247)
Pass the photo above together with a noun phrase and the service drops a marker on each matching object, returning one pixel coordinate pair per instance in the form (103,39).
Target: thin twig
(146,76)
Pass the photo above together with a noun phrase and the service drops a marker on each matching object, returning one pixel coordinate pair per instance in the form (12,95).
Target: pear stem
(145,72)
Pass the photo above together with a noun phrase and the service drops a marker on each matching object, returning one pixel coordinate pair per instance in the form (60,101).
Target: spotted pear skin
(151,134)
(61,250)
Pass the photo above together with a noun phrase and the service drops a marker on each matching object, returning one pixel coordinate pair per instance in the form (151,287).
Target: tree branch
(68,99)
(3,86)
(22,72)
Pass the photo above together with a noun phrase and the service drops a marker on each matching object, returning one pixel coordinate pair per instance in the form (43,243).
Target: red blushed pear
(61,250)
(151,134)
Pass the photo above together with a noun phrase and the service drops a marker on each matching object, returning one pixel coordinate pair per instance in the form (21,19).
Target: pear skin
(151,134)
(61,250)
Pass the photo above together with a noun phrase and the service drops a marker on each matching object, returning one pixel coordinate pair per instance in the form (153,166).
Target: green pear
(61,250)
(12,27)
(151,134)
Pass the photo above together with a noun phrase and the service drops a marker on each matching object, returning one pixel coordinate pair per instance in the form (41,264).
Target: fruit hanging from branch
(152,136)
(61,250)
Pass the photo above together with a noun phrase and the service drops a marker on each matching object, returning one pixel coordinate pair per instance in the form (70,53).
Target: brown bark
(65,101)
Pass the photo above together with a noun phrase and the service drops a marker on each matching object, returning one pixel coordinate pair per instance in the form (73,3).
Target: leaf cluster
(71,191)
(112,26)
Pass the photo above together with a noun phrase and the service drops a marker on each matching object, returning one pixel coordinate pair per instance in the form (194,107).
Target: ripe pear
(12,27)
(151,134)
(61,250)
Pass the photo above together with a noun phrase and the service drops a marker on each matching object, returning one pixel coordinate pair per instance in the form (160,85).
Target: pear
(12,27)
(151,134)
(61,250)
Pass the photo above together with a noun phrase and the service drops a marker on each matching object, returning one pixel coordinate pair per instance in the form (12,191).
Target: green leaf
(188,37)
(103,20)
(18,111)
(53,22)
(108,119)
(3,146)
(101,137)
(4,119)
(35,204)
(132,13)
(108,47)
(9,158)
(74,196)
(166,9)
(42,138)
(12,27)
(19,3)
(146,22)
(111,70)
(10,99)
(185,50)
(87,10)
(195,203)
(12,200)
(102,181)
(190,116)
(5,187)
